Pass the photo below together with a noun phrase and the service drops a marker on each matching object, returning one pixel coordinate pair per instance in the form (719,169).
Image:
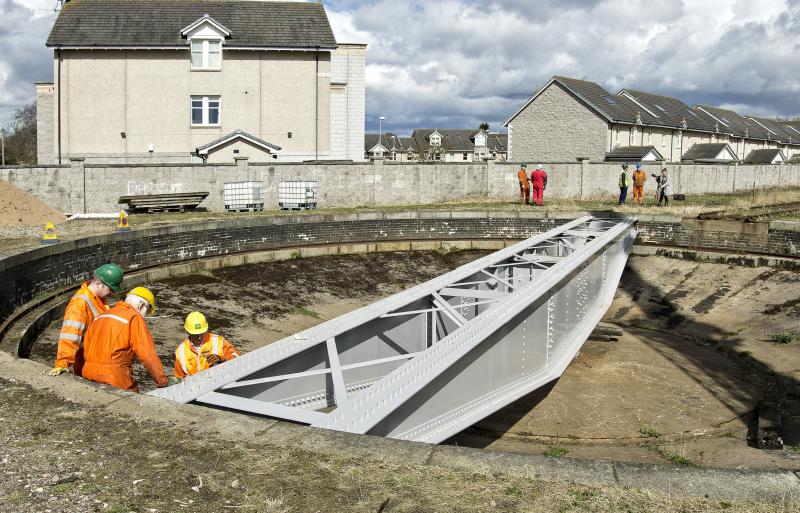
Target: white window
(206,54)
(205,110)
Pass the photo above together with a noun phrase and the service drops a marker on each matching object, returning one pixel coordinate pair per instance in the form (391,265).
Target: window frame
(205,110)
(205,53)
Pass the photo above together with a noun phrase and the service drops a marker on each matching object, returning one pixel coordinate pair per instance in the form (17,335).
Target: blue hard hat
(638,165)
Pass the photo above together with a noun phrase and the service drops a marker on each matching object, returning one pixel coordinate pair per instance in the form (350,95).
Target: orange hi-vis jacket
(191,360)
(522,176)
(639,177)
(81,311)
(111,343)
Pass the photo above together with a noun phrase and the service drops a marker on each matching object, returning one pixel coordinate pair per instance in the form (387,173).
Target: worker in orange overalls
(639,177)
(86,304)
(539,183)
(524,187)
(116,336)
(201,350)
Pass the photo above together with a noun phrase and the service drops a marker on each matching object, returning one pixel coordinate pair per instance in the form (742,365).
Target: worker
(119,334)
(623,184)
(86,304)
(664,188)
(539,184)
(639,177)
(201,350)
(524,186)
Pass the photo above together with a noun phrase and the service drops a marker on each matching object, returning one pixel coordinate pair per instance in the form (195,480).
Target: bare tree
(21,136)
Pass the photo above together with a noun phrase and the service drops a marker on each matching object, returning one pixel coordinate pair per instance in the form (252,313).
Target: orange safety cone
(50,236)
(122,224)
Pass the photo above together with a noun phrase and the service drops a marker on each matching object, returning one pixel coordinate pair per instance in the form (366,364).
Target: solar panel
(659,107)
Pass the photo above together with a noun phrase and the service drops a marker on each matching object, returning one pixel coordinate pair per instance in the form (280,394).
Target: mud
(682,384)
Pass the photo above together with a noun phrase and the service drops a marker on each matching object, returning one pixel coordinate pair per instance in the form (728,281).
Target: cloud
(24,59)
(455,63)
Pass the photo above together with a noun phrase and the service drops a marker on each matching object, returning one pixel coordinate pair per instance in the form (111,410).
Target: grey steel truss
(432,360)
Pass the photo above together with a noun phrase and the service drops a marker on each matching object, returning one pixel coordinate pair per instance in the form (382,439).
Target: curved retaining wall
(50,269)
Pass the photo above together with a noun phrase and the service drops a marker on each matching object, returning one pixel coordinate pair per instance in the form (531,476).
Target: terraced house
(571,119)
(200,80)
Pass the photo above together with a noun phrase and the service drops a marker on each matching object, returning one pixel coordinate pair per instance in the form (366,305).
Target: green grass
(556,451)
(782,337)
(649,432)
(673,457)
(794,448)
(308,313)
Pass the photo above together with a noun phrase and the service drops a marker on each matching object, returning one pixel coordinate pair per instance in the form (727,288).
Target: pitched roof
(632,154)
(237,134)
(733,123)
(497,142)
(256,24)
(710,152)
(764,156)
(452,139)
(792,127)
(389,141)
(672,112)
(777,131)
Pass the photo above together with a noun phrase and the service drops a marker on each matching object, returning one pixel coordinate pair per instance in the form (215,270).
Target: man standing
(86,304)
(639,177)
(664,188)
(116,337)
(539,183)
(201,350)
(623,184)
(524,188)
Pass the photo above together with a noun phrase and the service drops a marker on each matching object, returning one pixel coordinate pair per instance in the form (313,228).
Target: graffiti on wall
(141,188)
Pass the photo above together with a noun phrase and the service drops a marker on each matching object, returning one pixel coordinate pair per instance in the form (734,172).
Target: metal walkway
(432,360)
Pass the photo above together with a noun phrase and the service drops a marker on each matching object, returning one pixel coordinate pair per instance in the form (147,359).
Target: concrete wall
(378,183)
(557,127)
(45,117)
(145,95)
(348,91)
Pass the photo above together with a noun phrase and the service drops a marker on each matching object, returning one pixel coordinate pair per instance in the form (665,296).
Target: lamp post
(380,132)
(2,146)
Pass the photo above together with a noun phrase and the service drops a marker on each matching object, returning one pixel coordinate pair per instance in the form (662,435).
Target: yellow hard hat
(145,294)
(195,324)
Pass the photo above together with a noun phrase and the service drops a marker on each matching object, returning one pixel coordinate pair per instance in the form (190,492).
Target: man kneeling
(201,350)
(116,336)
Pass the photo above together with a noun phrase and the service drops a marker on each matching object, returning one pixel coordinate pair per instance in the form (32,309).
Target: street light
(380,132)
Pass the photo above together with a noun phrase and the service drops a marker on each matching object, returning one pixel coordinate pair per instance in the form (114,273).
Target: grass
(556,451)
(308,313)
(782,337)
(794,448)
(649,432)
(673,457)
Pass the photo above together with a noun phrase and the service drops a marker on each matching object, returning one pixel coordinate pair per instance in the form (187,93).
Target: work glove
(172,380)
(56,371)
(213,359)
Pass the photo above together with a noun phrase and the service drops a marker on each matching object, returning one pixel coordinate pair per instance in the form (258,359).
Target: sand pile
(18,208)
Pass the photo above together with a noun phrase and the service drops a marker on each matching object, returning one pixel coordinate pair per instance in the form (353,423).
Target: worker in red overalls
(539,183)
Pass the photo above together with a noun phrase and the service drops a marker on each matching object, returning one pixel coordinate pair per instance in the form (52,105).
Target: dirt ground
(56,457)
(680,386)
(18,208)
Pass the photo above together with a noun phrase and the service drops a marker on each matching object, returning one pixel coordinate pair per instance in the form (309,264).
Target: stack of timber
(178,202)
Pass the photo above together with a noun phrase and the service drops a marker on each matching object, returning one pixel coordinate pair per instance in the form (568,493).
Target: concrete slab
(584,472)
(752,485)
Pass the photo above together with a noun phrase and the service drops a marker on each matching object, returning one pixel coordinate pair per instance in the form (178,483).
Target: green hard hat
(110,275)
(524,164)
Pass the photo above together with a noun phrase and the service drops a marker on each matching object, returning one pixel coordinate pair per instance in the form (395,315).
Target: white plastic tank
(297,195)
(243,196)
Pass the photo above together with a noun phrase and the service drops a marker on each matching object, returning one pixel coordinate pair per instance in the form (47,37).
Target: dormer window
(205,37)
(206,54)
(436,139)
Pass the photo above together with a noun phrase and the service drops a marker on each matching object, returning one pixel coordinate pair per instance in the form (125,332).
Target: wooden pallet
(178,202)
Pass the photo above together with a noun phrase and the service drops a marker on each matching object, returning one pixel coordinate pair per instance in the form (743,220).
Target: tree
(20,136)
(484,126)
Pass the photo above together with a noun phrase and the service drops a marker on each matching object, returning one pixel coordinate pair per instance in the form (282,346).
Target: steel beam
(427,362)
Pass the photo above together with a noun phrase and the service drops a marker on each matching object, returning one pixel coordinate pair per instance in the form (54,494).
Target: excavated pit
(684,383)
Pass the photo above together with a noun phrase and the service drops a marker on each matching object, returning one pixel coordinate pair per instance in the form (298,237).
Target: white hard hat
(539,166)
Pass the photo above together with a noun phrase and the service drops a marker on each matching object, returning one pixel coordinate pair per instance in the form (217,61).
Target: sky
(457,63)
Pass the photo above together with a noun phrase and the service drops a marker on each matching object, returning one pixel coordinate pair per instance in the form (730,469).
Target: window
(464,156)
(206,54)
(205,110)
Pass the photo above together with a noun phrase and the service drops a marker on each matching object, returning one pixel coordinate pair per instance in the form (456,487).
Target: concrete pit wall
(50,269)
(97,187)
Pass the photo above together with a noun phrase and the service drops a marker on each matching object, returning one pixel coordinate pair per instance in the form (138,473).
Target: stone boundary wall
(52,268)
(79,187)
